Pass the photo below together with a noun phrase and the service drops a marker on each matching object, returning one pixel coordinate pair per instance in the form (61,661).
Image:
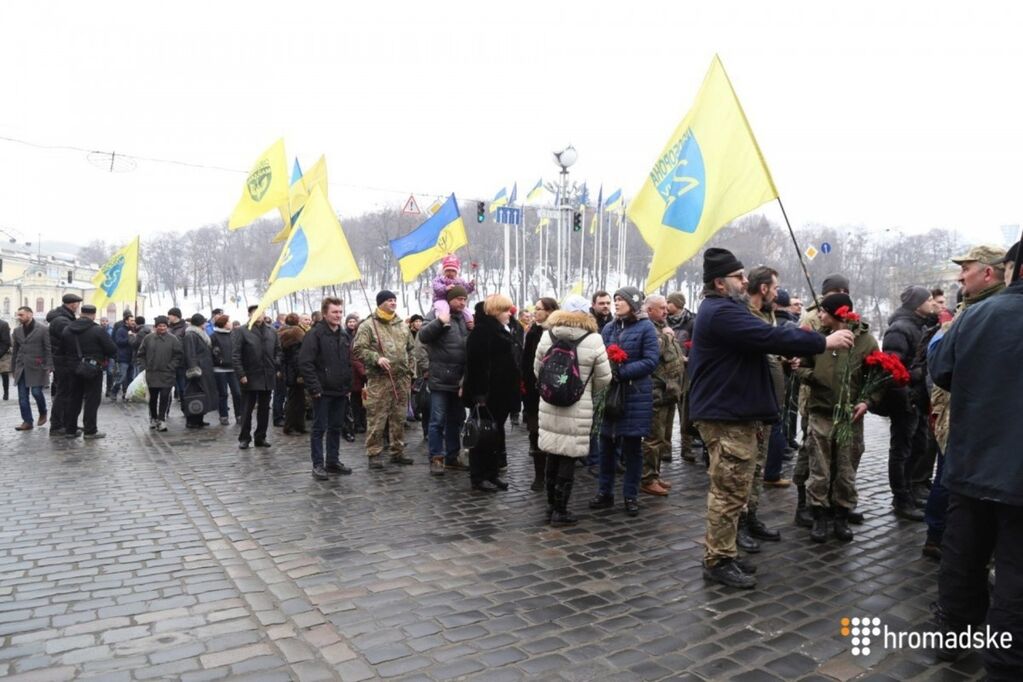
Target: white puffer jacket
(566,430)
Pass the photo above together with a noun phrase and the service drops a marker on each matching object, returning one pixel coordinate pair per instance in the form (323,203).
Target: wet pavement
(176,555)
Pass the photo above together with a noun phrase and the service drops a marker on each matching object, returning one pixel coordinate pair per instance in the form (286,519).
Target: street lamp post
(565,158)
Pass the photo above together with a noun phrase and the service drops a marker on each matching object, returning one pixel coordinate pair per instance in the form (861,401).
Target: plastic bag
(138,392)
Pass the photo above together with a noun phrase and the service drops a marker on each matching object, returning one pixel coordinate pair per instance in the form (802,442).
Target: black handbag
(479,428)
(87,368)
(614,400)
(193,403)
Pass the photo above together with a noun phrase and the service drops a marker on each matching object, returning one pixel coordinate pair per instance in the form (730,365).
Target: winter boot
(758,530)
(561,516)
(743,539)
(841,529)
(904,508)
(819,532)
(803,517)
(539,466)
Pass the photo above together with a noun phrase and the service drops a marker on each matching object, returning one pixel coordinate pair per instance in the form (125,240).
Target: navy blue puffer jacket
(638,338)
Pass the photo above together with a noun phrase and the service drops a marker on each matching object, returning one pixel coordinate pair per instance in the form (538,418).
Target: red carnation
(688,345)
(846,314)
(615,353)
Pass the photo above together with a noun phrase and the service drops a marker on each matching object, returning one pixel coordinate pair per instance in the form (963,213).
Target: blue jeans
(629,447)
(936,510)
(593,457)
(446,417)
(328,417)
(227,383)
(775,452)
(25,403)
(125,372)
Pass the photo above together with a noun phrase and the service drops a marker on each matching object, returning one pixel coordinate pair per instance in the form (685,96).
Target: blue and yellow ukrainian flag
(118,279)
(710,172)
(614,202)
(286,217)
(500,199)
(441,234)
(514,194)
(536,192)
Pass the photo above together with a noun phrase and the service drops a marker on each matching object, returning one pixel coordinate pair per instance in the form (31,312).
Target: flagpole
(394,386)
(799,253)
(582,244)
(625,244)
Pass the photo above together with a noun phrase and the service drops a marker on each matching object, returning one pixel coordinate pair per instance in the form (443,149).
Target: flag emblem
(298,254)
(259,180)
(112,275)
(684,188)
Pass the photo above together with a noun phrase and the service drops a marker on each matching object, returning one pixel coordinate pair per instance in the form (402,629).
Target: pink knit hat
(450,262)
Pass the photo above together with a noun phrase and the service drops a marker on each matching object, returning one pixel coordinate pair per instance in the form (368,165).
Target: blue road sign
(509,216)
(825,248)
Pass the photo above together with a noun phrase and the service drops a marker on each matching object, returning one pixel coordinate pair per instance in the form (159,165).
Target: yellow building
(40,281)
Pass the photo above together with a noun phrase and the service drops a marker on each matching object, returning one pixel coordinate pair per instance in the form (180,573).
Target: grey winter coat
(256,355)
(199,356)
(160,356)
(5,347)
(445,347)
(32,355)
(566,430)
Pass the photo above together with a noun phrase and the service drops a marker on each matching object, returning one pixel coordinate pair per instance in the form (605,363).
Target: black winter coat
(198,354)
(325,361)
(445,347)
(58,319)
(491,368)
(221,345)
(93,340)
(291,346)
(902,337)
(256,355)
(531,396)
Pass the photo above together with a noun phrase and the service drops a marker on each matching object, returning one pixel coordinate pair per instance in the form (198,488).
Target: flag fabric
(500,199)
(300,191)
(544,222)
(316,255)
(710,172)
(584,196)
(266,187)
(614,202)
(514,194)
(118,279)
(600,203)
(441,234)
(296,177)
(536,192)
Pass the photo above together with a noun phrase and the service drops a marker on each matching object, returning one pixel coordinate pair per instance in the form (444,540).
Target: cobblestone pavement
(176,555)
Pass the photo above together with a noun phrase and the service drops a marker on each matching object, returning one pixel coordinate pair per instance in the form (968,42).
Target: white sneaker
(153,423)
(161,426)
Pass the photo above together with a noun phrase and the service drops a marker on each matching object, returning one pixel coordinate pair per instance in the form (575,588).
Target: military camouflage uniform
(764,432)
(667,388)
(386,395)
(733,456)
(801,470)
(832,476)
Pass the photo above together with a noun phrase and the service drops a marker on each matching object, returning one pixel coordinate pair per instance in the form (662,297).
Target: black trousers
(485,459)
(159,402)
(975,531)
(260,402)
(908,444)
(61,395)
(85,398)
(294,408)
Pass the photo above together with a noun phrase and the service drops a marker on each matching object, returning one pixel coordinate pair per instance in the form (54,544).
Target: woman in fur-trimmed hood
(565,431)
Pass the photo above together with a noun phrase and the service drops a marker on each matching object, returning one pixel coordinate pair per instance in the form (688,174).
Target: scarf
(385,315)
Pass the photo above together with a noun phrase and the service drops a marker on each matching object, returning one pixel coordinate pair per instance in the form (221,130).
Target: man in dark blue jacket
(983,472)
(732,396)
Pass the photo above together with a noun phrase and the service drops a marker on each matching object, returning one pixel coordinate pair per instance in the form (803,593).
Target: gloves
(193,372)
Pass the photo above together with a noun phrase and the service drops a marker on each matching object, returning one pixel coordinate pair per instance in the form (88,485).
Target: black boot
(539,466)
(904,508)
(804,519)
(841,529)
(946,625)
(550,478)
(743,539)
(819,532)
(728,573)
(855,517)
(758,530)
(561,516)
(552,496)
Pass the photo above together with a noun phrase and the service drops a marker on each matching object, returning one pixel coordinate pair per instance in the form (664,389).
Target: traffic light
(481,211)
(577,221)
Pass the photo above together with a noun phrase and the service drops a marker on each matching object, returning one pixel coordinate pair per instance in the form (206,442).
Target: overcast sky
(902,115)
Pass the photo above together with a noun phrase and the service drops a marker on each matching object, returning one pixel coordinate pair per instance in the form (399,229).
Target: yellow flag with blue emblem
(441,234)
(316,255)
(118,279)
(266,187)
(710,172)
(298,194)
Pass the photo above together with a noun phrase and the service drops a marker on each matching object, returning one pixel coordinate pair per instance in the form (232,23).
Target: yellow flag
(118,279)
(298,195)
(265,189)
(710,172)
(316,254)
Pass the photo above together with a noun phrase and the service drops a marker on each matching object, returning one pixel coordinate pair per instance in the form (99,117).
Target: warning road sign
(411,207)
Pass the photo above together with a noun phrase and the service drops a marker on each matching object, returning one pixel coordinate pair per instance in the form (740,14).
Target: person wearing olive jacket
(325,366)
(256,355)
(160,356)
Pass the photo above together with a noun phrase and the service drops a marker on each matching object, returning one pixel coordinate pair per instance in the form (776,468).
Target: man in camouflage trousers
(732,396)
(667,389)
(384,345)
(681,321)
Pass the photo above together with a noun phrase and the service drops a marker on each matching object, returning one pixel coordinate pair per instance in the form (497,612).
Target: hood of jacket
(570,326)
(81,325)
(198,331)
(62,311)
(290,336)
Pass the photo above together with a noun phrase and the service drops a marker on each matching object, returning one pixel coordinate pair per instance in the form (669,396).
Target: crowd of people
(752,377)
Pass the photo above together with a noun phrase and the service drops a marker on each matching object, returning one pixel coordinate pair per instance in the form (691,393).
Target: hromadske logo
(680,179)
(866,631)
(861,629)
(112,276)
(259,180)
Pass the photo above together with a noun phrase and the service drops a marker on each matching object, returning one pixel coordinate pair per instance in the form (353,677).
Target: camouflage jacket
(667,377)
(822,374)
(394,337)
